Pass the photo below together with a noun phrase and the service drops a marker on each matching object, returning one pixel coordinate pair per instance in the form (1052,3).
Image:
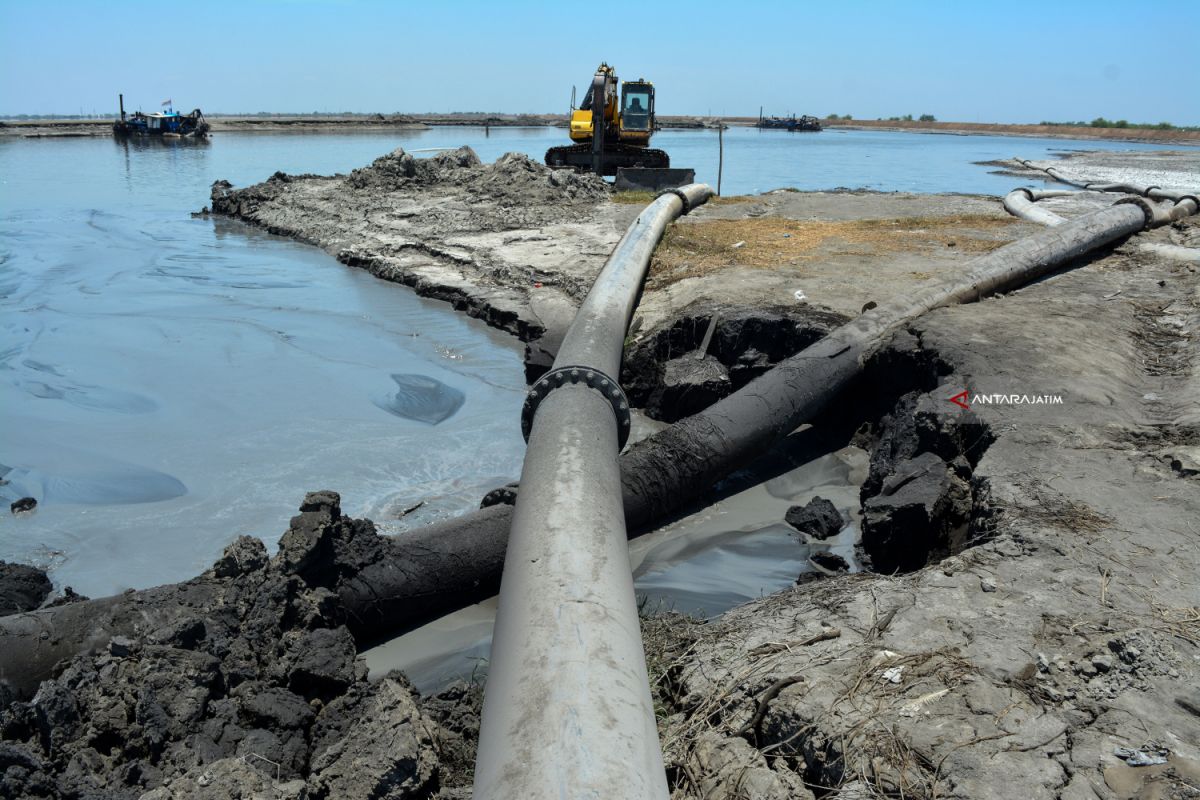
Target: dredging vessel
(168,123)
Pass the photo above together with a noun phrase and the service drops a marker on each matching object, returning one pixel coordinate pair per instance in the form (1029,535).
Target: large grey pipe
(1023,203)
(567,710)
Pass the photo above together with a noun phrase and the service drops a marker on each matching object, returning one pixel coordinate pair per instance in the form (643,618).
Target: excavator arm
(600,105)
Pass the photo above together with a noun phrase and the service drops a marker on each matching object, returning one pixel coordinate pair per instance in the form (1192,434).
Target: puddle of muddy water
(703,564)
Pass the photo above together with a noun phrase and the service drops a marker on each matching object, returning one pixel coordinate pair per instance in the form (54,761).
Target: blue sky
(1011,61)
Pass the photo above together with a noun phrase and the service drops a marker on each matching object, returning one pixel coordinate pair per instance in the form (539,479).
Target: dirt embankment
(514,243)
(362,123)
(1152,135)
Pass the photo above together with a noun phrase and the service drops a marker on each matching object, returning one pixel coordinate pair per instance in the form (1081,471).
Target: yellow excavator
(610,131)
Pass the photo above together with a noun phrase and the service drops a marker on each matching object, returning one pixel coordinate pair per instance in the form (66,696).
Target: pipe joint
(592,378)
(1155,215)
(683,197)
(693,195)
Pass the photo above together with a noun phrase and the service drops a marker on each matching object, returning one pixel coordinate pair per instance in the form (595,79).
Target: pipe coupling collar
(588,376)
(1154,215)
(682,195)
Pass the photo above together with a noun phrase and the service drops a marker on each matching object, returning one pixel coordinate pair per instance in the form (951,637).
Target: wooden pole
(720,154)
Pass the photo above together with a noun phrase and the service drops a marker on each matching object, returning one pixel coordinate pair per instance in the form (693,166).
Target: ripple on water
(421,398)
(91,481)
(93,398)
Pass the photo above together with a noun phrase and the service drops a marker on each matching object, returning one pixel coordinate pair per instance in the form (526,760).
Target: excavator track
(579,157)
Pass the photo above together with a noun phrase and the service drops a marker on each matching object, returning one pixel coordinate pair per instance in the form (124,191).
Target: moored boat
(792,123)
(167,123)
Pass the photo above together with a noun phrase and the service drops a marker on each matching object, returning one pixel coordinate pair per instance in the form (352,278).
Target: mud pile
(514,179)
(22,588)
(710,350)
(255,687)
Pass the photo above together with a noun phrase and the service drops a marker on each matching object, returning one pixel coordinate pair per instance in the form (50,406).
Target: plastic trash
(799,295)
(1148,756)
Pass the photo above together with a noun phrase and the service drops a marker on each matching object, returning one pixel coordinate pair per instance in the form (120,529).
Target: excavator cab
(637,110)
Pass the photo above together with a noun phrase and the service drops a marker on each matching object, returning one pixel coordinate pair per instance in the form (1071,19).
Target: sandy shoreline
(1063,625)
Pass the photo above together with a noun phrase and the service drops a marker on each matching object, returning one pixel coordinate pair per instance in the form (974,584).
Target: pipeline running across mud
(387,586)
(186,687)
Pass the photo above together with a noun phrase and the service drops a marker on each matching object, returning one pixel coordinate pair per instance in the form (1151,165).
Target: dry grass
(700,248)
(645,198)
(1053,509)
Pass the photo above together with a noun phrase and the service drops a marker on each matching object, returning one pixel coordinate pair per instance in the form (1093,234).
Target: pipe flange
(505,495)
(1151,213)
(588,376)
(687,206)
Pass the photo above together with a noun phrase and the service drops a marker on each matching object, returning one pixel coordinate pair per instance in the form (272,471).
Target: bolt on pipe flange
(505,495)
(588,376)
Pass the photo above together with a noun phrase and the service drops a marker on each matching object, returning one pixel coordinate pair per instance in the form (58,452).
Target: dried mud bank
(1054,633)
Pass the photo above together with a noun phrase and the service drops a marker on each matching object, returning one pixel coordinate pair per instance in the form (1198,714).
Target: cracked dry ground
(1021,662)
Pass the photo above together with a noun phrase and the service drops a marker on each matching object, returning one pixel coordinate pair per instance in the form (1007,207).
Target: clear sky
(973,60)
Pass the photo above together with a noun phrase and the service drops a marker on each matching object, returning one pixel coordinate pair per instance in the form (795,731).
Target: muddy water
(731,552)
(168,383)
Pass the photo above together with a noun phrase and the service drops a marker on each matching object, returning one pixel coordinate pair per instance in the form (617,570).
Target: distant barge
(792,123)
(168,124)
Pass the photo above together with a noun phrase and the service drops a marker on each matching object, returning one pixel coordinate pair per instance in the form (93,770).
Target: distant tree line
(58,116)
(905,118)
(1101,122)
(909,118)
(1098,122)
